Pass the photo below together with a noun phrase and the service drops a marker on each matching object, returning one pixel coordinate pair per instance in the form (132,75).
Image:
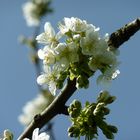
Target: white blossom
(29,12)
(33,107)
(101,60)
(49,36)
(67,53)
(65,26)
(90,43)
(107,76)
(47,54)
(78,25)
(102,57)
(37,136)
(72,24)
(49,77)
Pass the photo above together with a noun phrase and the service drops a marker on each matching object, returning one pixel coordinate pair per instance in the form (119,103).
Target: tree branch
(58,105)
(52,110)
(123,34)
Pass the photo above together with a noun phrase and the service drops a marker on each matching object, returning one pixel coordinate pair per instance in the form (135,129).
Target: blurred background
(17,74)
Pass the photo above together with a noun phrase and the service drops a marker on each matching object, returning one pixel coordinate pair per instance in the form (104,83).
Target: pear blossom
(30,13)
(72,24)
(49,36)
(37,136)
(78,25)
(100,61)
(49,77)
(90,43)
(102,57)
(47,54)
(67,53)
(107,76)
(65,25)
(33,107)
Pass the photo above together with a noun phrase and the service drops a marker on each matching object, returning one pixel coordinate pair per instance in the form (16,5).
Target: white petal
(52,88)
(59,35)
(26,139)
(35,134)
(60,47)
(41,54)
(41,79)
(49,29)
(44,136)
(42,38)
(115,74)
(47,69)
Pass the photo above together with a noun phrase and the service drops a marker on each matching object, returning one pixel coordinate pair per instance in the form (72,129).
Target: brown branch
(52,110)
(58,105)
(123,34)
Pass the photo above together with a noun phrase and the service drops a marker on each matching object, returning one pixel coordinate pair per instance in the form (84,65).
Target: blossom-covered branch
(56,107)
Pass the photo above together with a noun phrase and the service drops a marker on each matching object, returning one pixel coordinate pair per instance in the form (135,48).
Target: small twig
(116,39)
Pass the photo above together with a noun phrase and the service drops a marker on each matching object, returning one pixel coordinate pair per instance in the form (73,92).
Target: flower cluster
(33,11)
(76,52)
(87,120)
(36,106)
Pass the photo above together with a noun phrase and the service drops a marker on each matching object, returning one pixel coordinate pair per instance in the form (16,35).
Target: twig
(58,105)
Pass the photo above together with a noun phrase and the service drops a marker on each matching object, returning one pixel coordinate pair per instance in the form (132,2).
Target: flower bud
(74,109)
(103,96)
(73,131)
(108,134)
(8,135)
(112,128)
(106,111)
(110,99)
(98,108)
(82,81)
(77,104)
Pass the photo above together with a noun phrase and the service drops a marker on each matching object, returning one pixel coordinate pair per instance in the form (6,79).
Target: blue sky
(17,74)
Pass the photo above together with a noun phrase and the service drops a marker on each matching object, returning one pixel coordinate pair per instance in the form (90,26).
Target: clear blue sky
(17,74)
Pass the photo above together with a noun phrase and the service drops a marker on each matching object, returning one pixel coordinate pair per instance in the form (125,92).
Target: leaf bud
(98,108)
